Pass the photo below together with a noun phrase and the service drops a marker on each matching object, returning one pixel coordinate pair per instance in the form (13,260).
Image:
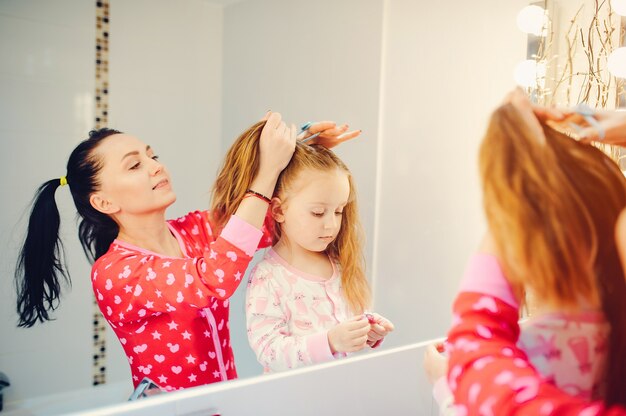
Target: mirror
(418,78)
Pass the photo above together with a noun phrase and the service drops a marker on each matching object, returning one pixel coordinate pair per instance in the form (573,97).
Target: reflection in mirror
(187,77)
(145,388)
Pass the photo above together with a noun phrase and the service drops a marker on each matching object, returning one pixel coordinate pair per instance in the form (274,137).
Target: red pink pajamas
(171,314)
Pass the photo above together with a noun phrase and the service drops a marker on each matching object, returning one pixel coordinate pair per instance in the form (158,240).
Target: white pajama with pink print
(289,313)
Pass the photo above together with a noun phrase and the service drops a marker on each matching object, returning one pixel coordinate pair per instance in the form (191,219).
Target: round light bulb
(532,19)
(529,73)
(619,7)
(617,62)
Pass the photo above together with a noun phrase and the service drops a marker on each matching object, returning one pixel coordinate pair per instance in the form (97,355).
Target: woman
(483,338)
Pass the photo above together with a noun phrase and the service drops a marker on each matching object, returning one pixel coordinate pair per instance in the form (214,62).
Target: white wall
(166,88)
(46,106)
(445,70)
(309,61)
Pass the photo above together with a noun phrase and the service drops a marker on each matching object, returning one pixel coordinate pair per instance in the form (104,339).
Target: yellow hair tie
(63,180)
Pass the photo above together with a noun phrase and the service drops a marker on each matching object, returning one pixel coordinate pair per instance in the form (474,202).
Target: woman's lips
(162,183)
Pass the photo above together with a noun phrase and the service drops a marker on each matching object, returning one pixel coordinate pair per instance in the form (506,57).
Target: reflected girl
(306,299)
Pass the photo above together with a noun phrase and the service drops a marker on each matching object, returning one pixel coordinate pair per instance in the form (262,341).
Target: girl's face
(132,181)
(311,214)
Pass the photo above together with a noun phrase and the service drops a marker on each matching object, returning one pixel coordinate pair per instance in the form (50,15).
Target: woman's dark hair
(41,262)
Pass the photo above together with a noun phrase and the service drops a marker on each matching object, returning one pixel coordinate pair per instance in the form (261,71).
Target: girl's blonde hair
(240,167)
(552,207)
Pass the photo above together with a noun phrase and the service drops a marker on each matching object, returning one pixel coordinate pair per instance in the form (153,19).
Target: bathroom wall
(46,106)
(444,70)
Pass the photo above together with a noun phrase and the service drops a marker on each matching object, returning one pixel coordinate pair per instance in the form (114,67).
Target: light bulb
(529,73)
(619,7)
(532,19)
(617,62)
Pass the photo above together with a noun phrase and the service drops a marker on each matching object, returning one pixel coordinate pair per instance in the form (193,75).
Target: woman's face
(132,180)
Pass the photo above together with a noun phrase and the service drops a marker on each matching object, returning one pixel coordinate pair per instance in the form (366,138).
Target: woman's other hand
(330,134)
(611,122)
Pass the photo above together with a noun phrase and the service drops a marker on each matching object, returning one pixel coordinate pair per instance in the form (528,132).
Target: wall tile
(44,51)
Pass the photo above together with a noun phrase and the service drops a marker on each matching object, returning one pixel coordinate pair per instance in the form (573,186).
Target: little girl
(307,299)
(552,205)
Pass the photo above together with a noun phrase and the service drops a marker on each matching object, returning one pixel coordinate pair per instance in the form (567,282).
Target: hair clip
(305,127)
(588,114)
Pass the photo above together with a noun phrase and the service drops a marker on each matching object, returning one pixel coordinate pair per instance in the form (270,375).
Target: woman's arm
(487,372)
(276,146)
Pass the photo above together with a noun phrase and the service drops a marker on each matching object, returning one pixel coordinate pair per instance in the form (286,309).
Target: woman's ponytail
(41,267)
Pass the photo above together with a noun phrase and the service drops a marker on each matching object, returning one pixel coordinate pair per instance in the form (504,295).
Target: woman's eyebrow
(134,152)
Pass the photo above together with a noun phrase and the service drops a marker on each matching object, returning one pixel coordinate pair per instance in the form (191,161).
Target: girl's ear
(276,208)
(99,203)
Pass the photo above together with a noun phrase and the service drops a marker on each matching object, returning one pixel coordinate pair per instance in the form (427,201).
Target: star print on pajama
(171,314)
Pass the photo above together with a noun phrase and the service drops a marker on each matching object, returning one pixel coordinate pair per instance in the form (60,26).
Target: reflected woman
(163,286)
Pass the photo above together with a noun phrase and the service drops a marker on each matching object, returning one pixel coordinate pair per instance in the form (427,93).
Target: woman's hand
(435,363)
(488,244)
(330,134)
(612,122)
(529,113)
(276,145)
(350,335)
(380,327)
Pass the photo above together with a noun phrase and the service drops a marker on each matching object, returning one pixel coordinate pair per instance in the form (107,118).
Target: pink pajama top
(488,369)
(171,314)
(289,313)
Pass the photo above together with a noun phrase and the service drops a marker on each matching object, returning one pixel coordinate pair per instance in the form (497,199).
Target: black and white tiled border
(101,120)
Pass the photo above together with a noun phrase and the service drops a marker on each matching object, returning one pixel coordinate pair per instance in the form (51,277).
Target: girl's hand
(276,145)
(435,363)
(330,134)
(379,328)
(350,335)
